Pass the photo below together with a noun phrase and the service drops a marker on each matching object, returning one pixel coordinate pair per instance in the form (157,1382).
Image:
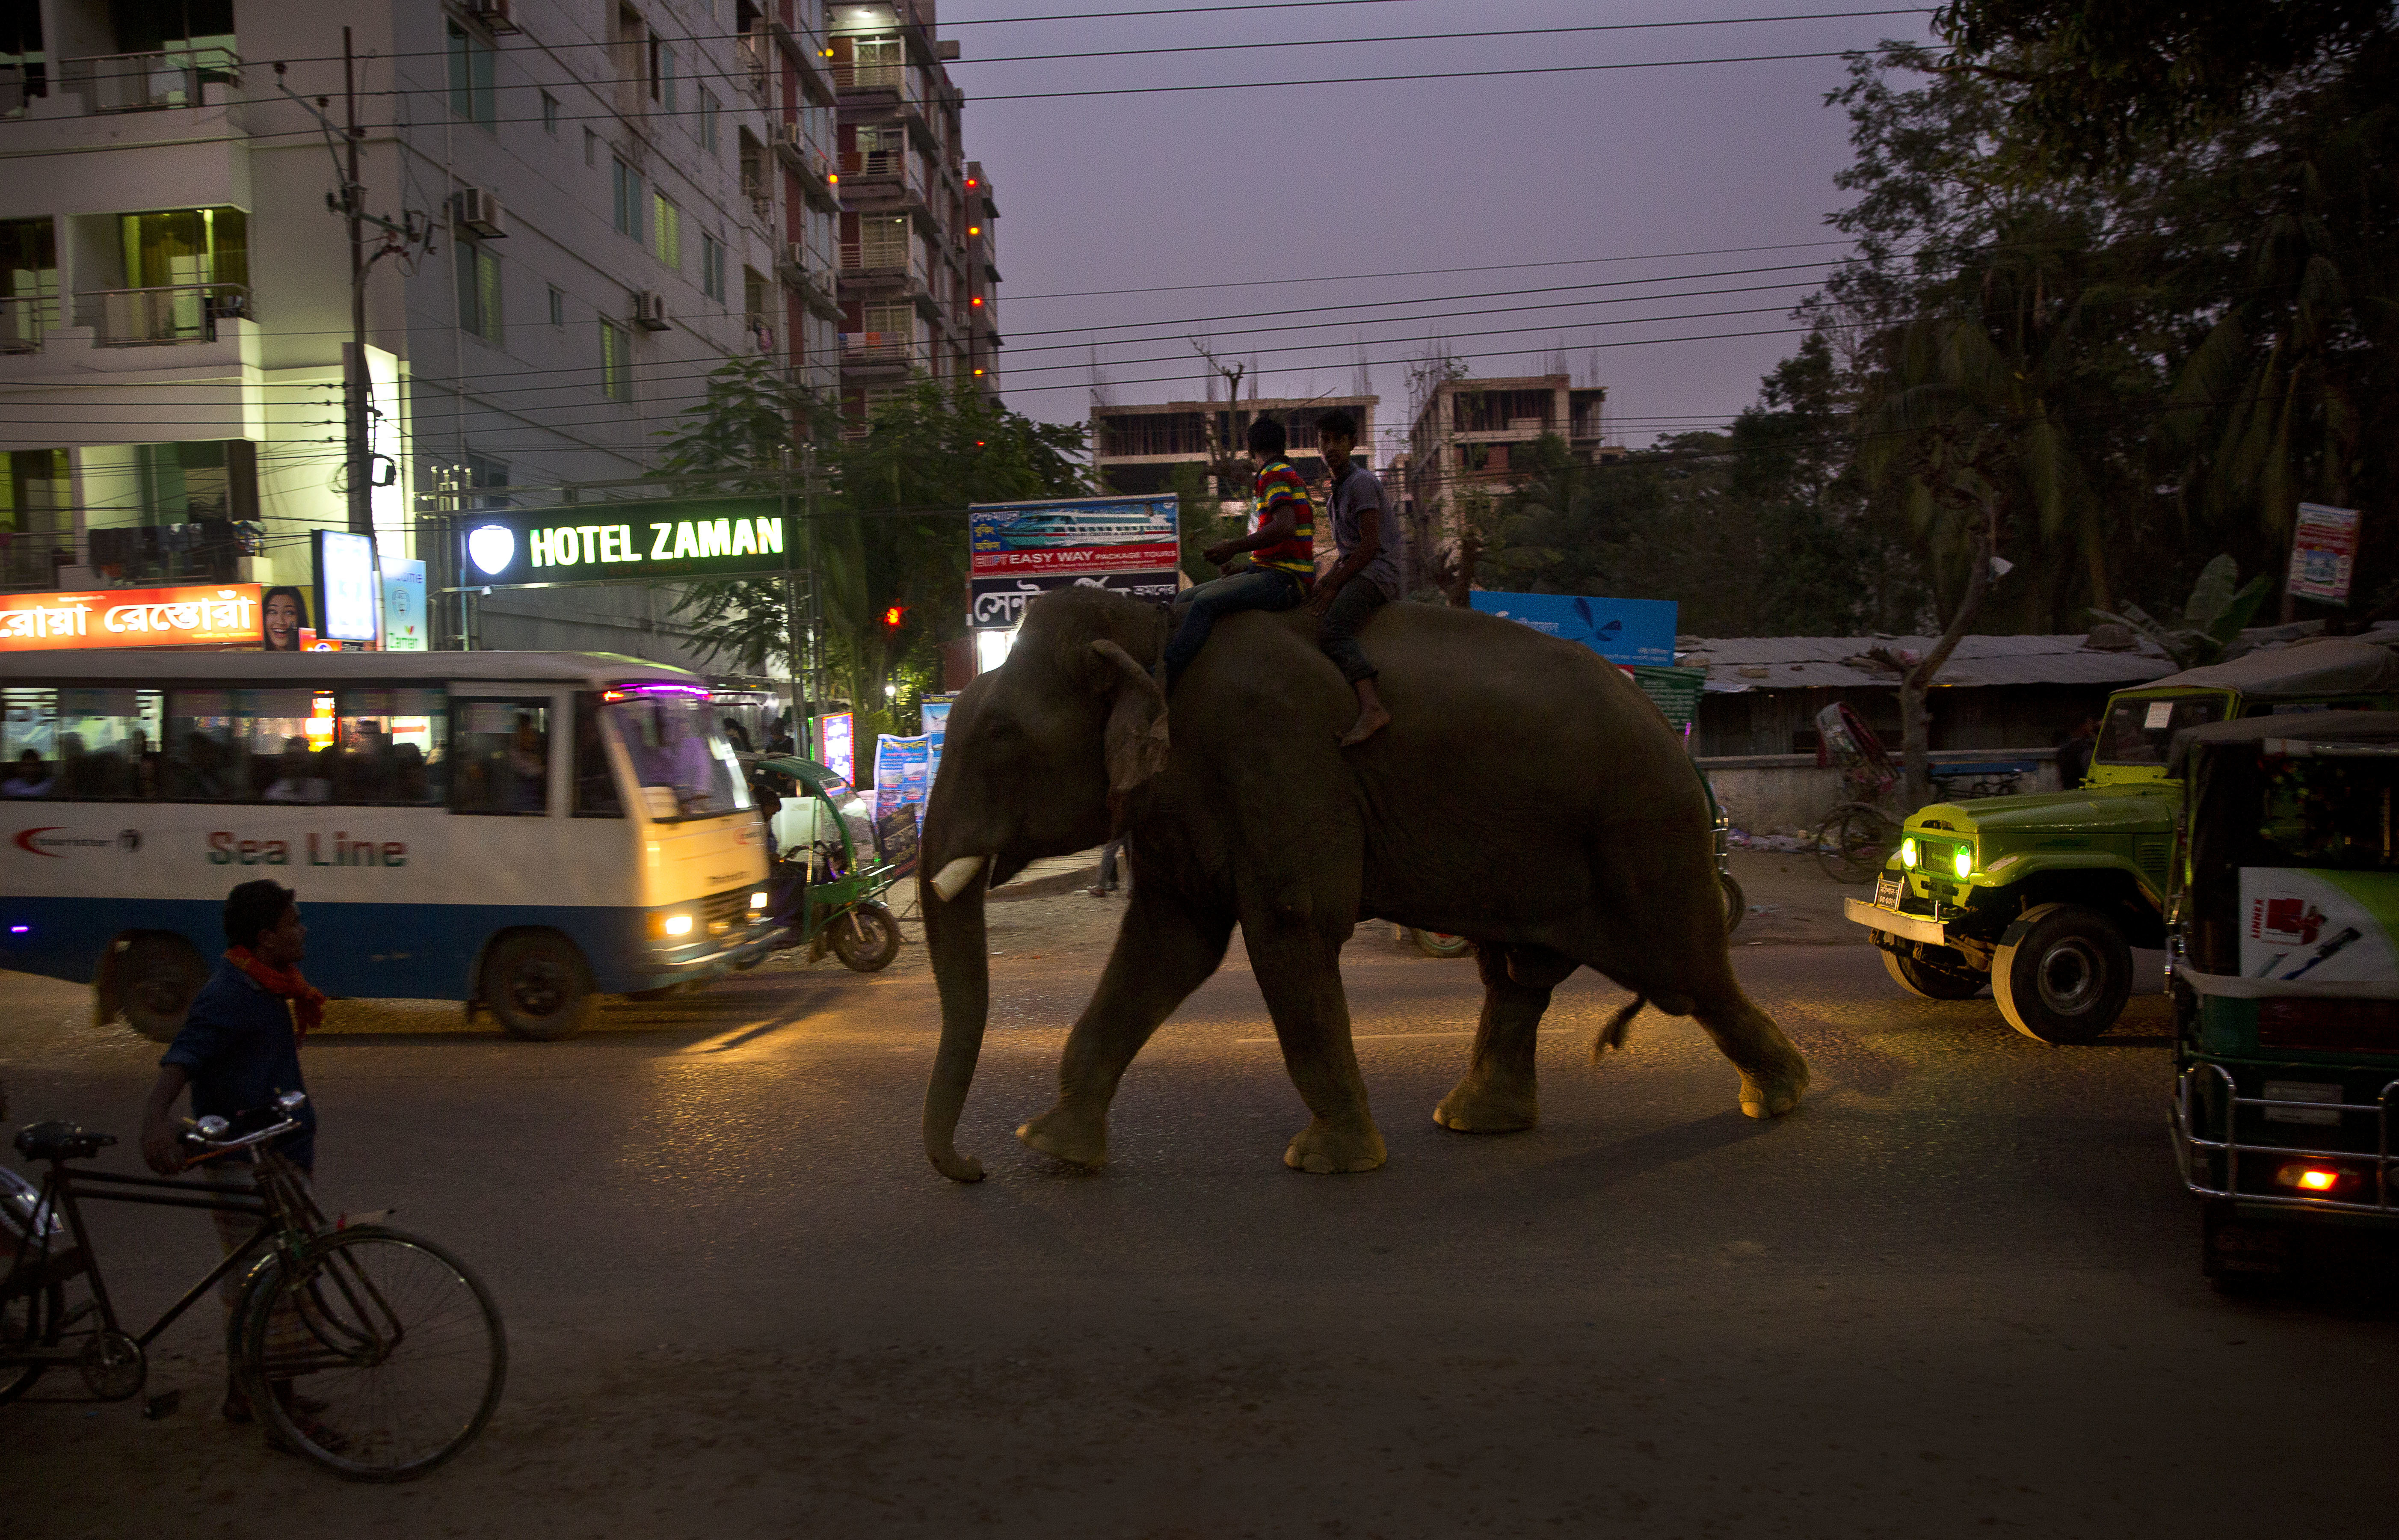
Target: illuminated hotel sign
(208,615)
(619,542)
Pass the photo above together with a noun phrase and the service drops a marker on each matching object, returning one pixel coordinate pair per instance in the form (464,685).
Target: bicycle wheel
(1855,841)
(393,1351)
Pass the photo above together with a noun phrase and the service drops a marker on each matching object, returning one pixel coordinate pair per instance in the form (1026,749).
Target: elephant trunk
(955,942)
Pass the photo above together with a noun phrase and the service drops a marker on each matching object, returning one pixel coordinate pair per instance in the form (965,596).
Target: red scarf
(308,1001)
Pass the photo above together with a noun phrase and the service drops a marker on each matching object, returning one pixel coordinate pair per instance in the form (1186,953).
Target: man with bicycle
(239,1047)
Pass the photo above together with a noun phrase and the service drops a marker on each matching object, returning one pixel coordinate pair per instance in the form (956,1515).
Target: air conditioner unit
(650,311)
(492,14)
(477,208)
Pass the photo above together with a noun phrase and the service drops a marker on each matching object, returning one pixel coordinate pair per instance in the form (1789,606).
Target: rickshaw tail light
(2310,1179)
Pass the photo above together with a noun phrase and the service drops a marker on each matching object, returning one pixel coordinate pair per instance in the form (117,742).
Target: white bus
(522,830)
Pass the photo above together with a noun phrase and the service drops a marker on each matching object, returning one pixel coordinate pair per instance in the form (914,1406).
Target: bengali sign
(218,615)
(995,604)
(2323,553)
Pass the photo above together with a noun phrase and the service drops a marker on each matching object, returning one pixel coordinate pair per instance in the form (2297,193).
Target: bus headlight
(674,927)
(1965,862)
(758,899)
(1908,855)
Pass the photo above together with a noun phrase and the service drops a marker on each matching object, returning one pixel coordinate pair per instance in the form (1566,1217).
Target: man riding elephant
(1586,841)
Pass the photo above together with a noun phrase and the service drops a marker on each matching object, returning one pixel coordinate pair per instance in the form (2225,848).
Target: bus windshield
(676,745)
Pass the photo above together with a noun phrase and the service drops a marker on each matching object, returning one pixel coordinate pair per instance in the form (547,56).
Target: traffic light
(893,616)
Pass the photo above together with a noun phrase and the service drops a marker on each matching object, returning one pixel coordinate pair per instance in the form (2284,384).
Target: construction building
(1135,449)
(1471,439)
(919,276)
(575,212)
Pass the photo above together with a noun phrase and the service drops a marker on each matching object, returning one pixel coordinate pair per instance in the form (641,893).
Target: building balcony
(877,356)
(161,317)
(151,82)
(818,288)
(811,165)
(23,322)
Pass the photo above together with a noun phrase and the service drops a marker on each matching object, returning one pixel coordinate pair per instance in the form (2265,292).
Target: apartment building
(1135,449)
(920,274)
(1470,436)
(580,210)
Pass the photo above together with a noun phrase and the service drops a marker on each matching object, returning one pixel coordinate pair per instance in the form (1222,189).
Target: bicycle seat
(58,1140)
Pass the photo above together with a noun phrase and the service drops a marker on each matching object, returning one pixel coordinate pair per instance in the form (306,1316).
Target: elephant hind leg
(1773,1075)
(1497,1094)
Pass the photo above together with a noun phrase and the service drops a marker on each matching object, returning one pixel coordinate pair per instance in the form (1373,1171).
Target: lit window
(666,231)
(616,363)
(479,291)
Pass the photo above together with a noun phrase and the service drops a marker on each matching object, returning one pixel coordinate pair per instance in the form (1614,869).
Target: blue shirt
(239,1051)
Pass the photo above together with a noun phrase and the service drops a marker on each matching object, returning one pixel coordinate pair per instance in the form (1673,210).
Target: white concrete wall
(1787,794)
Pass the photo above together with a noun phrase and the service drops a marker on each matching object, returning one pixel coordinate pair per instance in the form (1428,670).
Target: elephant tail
(1612,1036)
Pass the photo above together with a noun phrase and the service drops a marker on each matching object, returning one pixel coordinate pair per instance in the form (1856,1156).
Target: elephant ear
(1135,741)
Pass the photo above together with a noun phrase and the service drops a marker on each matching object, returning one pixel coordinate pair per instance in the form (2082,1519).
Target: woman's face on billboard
(283,622)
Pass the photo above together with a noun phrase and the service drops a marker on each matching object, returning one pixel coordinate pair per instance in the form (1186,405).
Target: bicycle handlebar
(210,1131)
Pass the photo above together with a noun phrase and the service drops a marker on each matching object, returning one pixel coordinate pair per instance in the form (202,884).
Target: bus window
(29,743)
(106,744)
(499,756)
(595,788)
(679,752)
(391,749)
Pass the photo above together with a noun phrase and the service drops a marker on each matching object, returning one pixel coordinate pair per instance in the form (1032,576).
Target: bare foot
(1371,720)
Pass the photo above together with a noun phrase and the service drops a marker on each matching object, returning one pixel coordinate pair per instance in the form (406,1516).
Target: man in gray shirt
(1367,576)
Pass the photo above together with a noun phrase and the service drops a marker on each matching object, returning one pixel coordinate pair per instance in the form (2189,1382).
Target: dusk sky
(1315,182)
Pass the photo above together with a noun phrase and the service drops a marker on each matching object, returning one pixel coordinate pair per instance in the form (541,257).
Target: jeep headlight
(1965,862)
(1908,854)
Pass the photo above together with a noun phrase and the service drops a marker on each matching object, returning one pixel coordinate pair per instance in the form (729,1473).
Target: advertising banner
(345,587)
(622,542)
(934,711)
(2323,553)
(220,614)
(2325,927)
(1621,630)
(996,604)
(1675,692)
(837,749)
(403,607)
(1074,535)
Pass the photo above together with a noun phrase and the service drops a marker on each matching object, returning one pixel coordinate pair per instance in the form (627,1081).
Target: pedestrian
(1281,547)
(239,1049)
(2074,754)
(1364,579)
(1107,883)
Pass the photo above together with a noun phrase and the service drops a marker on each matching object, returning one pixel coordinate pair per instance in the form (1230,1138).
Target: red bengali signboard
(1065,536)
(203,614)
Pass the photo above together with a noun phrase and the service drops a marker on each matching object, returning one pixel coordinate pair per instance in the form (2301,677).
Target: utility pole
(357,389)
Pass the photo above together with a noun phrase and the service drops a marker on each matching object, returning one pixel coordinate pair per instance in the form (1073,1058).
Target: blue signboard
(1621,630)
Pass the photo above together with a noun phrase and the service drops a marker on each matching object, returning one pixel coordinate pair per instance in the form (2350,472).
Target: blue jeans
(1260,588)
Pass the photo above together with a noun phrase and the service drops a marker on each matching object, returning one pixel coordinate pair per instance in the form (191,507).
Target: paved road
(1957,1294)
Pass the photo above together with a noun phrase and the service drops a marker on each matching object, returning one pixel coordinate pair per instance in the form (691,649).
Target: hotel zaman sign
(208,615)
(625,542)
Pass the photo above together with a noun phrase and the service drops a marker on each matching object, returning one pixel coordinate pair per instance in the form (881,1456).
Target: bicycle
(400,1345)
(1857,837)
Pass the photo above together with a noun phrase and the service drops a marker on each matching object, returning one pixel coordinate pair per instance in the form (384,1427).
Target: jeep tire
(535,982)
(2062,973)
(1932,980)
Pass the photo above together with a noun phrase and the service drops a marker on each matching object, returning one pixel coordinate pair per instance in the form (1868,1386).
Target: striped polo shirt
(1279,486)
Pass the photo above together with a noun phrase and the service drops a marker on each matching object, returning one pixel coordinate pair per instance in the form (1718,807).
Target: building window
(626,207)
(711,267)
(666,231)
(479,291)
(557,306)
(616,363)
(472,62)
(709,109)
(549,115)
(664,87)
(29,283)
(590,147)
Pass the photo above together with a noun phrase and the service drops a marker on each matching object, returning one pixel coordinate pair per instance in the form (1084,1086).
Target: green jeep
(2044,897)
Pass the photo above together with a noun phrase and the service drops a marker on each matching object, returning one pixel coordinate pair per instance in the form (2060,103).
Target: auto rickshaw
(2284,957)
(823,889)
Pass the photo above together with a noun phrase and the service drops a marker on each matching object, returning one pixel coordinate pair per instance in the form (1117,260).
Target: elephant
(1526,794)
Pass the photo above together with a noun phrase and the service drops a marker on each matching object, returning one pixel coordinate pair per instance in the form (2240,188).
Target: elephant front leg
(1497,1094)
(1299,972)
(1163,953)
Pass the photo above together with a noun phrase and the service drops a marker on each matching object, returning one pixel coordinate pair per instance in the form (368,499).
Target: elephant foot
(1476,1106)
(1325,1150)
(1770,1094)
(1070,1134)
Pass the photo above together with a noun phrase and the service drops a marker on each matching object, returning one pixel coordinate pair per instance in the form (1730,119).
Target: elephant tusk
(951,879)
